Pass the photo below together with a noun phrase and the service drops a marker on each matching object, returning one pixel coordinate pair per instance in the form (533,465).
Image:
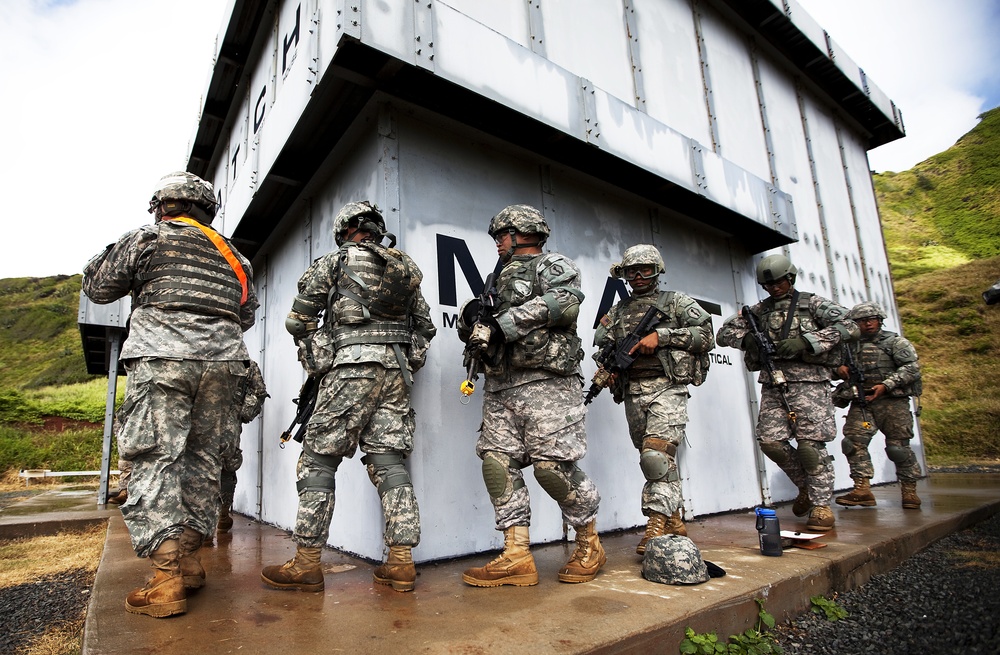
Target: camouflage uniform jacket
(166,333)
(549,305)
(889,359)
(684,332)
(321,277)
(822,323)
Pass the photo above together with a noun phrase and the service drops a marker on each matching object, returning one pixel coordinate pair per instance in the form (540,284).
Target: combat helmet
(366,216)
(867,309)
(178,192)
(524,219)
(774,267)
(673,559)
(640,255)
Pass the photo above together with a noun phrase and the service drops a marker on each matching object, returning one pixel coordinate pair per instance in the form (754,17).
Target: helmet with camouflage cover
(523,219)
(176,193)
(866,309)
(363,214)
(775,267)
(641,255)
(673,559)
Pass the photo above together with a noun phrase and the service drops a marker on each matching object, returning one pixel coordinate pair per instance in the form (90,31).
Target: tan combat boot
(675,525)
(820,519)
(118,498)
(802,504)
(514,566)
(225,519)
(302,572)
(860,496)
(587,559)
(192,570)
(398,569)
(655,526)
(910,498)
(164,594)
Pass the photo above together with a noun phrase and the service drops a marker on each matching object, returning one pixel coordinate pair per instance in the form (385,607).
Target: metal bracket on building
(423,33)
(591,127)
(313,65)
(706,79)
(634,56)
(536,28)
(698,167)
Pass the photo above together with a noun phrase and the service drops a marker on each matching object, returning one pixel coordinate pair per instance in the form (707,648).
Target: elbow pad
(304,317)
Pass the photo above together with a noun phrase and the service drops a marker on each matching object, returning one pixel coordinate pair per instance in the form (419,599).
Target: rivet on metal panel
(418,51)
(355,8)
(418,38)
(431,58)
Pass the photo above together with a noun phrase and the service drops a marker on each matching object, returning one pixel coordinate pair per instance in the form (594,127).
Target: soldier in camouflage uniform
(533,412)
(891,375)
(805,329)
(654,388)
(254,394)
(375,335)
(192,299)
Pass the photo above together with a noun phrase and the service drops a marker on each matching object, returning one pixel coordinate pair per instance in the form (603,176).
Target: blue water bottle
(769,532)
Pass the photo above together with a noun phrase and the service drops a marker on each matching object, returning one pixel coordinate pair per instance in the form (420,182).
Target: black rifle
(306,403)
(856,378)
(474,354)
(615,358)
(766,352)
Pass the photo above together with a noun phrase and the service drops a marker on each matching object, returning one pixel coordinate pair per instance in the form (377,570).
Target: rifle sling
(792,308)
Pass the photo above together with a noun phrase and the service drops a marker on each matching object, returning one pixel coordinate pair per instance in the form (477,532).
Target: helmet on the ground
(185,187)
(673,559)
(866,309)
(774,267)
(641,255)
(523,219)
(363,214)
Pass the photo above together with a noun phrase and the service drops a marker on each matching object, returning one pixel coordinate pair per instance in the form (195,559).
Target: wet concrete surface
(619,612)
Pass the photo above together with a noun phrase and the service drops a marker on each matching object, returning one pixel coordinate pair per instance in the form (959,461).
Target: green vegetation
(752,641)
(827,607)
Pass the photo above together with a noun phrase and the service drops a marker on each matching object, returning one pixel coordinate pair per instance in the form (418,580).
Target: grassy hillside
(945,211)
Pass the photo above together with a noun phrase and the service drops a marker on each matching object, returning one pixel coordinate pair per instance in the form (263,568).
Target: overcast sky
(100,98)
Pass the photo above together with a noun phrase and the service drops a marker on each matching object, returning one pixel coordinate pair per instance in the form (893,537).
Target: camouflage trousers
(893,417)
(538,424)
(170,431)
(364,405)
(815,426)
(655,409)
(231,456)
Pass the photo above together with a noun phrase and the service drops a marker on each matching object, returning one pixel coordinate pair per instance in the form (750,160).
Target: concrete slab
(52,511)
(619,612)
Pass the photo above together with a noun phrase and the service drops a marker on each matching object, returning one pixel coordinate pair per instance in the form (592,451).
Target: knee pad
(394,473)
(852,444)
(324,480)
(558,479)
(777,451)
(500,485)
(812,456)
(657,460)
(898,454)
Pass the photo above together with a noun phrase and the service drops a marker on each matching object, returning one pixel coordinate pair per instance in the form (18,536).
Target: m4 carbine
(306,403)
(615,358)
(479,345)
(767,351)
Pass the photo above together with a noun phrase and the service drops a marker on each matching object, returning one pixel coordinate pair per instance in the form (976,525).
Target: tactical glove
(789,348)
(749,345)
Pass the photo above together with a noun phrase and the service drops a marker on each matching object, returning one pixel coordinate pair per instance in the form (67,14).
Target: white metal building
(718,130)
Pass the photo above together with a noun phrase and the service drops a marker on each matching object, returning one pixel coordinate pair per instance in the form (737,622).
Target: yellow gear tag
(468,388)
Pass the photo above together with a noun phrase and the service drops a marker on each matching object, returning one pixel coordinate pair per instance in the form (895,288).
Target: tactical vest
(186,272)
(373,290)
(877,362)
(554,349)
(679,366)
(774,319)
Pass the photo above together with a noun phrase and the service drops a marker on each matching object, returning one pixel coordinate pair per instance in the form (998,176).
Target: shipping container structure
(718,130)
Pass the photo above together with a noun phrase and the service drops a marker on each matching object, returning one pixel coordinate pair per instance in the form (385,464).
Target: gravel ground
(29,610)
(944,599)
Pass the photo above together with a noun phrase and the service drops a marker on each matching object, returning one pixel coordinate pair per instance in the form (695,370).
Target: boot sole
(856,503)
(574,578)
(515,580)
(159,610)
(193,582)
(292,586)
(910,506)
(819,528)
(396,584)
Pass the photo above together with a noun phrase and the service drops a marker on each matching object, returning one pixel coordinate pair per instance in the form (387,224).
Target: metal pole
(114,341)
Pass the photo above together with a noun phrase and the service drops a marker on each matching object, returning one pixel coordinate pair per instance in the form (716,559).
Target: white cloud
(101,98)
(935,60)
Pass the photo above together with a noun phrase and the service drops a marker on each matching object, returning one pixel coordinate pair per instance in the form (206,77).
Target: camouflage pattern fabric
(538,421)
(231,455)
(124,472)
(893,417)
(673,559)
(366,405)
(655,408)
(171,434)
(815,422)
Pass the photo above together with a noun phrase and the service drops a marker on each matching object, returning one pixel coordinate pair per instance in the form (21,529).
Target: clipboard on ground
(804,540)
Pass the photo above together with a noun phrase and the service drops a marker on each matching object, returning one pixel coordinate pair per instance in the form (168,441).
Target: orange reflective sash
(223,247)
